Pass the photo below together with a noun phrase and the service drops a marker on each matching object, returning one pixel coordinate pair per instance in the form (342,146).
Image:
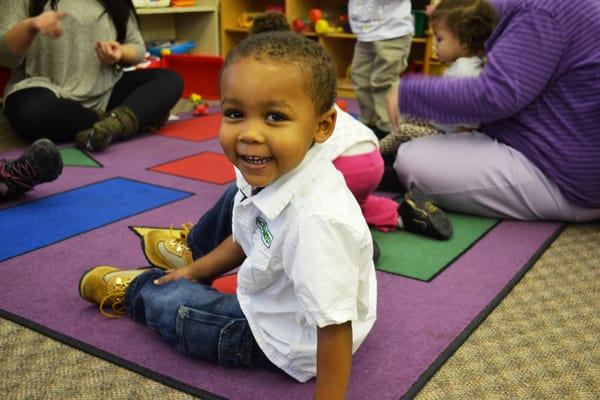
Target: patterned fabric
(410,128)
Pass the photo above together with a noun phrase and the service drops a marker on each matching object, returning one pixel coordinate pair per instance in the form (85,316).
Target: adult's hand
(392,106)
(109,52)
(48,23)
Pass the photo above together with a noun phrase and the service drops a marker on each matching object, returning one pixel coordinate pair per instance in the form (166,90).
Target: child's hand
(180,273)
(109,52)
(48,23)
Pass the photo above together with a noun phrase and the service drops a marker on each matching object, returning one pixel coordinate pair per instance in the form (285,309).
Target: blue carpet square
(36,224)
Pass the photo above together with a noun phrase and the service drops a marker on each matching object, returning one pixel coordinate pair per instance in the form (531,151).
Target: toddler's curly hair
(472,21)
(310,57)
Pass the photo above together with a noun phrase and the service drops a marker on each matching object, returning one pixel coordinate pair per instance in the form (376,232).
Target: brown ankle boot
(119,123)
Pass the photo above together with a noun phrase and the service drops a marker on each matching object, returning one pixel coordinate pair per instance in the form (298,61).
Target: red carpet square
(206,167)
(197,129)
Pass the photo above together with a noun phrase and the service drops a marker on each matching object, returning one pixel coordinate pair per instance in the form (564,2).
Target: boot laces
(116,297)
(21,172)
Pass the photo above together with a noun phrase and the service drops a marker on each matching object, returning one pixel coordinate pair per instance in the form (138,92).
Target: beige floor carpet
(541,342)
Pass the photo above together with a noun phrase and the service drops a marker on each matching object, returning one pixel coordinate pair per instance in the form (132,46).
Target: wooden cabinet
(340,45)
(199,23)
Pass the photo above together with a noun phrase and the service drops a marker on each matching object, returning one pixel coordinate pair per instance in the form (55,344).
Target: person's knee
(173,80)
(27,115)
(416,166)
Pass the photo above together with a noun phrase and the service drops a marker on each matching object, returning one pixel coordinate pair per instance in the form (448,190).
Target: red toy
(315,14)
(201,108)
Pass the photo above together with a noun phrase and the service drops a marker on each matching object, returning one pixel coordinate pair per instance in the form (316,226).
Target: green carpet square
(419,257)
(74,157)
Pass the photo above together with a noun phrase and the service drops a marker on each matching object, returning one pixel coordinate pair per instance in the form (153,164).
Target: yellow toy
(245,20)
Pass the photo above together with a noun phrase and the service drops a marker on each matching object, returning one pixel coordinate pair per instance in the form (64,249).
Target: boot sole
(438,220)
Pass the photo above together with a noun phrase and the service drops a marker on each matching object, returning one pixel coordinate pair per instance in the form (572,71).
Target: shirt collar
(276,196)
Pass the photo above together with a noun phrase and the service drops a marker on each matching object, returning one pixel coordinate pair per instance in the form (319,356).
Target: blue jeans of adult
(214,226)
(199,320)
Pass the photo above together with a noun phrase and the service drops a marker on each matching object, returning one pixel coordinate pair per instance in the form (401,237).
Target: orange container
(200,73)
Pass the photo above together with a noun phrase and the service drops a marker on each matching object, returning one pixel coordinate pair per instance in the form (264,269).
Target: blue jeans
(198,319)
(214,226)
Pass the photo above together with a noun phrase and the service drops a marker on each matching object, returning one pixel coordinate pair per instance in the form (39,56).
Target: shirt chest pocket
(262,271)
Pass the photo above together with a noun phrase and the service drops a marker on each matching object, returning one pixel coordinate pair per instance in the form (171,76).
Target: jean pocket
(217,338)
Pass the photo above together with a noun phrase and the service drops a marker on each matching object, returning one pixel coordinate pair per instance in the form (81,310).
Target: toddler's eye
(276,117)
(233,114)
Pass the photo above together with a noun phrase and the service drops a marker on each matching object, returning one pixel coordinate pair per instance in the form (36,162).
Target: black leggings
(37,112)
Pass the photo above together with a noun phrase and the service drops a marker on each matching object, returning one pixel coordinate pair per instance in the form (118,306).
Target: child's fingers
(171,276)
(164,279)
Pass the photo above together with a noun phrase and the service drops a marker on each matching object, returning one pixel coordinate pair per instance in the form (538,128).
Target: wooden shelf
(174,10)
(340,45)
(199,23)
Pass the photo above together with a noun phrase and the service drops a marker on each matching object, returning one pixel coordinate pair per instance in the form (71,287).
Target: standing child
(461,28)
(307,294)
(384,31)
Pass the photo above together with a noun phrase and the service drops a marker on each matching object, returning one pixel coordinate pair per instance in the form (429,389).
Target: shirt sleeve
(134,38)
(13,11)
(325,271)
(524,56)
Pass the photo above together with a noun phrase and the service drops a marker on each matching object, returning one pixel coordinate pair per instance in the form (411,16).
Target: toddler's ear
(326,125)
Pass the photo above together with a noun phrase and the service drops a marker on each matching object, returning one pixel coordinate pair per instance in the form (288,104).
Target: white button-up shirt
(309,263)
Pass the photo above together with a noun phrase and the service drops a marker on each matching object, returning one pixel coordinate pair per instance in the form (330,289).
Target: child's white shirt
(309,263)
(348,132)
(462,67)
(373,20)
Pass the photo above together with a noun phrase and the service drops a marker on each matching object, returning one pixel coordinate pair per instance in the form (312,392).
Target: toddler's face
(269,121)
(446,45)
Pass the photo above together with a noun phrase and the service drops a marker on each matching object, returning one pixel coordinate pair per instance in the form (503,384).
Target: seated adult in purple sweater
(537,155)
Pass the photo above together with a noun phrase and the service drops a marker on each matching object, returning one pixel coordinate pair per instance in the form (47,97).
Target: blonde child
(306,296)
(461,28)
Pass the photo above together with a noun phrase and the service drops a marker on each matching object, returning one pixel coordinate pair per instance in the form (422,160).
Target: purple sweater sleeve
(525,50)
(502,5)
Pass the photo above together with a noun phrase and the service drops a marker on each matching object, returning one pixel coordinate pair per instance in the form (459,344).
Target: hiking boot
(105,286)
(41,162)
(168,250)
(421,216)
(119,123)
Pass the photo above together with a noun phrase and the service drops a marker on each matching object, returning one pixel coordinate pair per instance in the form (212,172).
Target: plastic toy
(301,25)
(245,20)
(316,14)
(200,108)
(342,105)
(173,47)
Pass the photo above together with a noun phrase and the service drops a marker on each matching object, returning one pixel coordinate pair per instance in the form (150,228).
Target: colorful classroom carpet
(431,294)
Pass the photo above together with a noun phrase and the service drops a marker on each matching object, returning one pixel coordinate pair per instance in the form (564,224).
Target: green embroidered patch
(265,234)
